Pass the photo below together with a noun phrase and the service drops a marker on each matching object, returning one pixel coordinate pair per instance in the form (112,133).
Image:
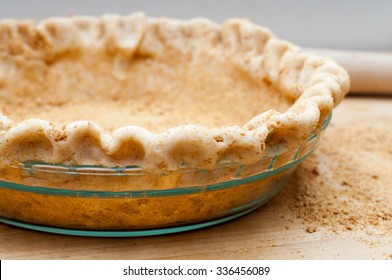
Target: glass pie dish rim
(157,192)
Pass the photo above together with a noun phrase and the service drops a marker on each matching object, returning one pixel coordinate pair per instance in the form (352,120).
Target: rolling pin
(370,72)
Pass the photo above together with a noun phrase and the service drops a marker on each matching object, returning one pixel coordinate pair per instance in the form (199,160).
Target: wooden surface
(258,235)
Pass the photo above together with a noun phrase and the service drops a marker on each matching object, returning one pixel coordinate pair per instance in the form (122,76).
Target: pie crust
(157,93)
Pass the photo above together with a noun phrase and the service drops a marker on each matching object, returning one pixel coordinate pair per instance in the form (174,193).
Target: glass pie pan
(99,201)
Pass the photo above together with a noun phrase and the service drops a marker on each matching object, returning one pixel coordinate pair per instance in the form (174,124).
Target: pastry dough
(157,93)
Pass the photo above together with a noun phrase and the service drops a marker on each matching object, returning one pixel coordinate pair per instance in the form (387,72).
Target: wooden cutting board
(262,234)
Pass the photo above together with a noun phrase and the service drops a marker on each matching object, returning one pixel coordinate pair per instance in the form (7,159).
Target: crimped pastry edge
(317,84)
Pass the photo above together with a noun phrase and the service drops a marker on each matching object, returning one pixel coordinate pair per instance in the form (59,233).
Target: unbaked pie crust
(156,93)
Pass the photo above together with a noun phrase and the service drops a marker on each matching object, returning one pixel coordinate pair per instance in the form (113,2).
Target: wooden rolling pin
(370,72)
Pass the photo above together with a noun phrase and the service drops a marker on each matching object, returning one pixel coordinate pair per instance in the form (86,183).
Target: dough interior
(153,93)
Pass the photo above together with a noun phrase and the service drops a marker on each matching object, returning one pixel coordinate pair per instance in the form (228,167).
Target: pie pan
(131,125)
(97,201)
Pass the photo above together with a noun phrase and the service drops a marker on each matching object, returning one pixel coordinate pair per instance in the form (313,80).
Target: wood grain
(262,234)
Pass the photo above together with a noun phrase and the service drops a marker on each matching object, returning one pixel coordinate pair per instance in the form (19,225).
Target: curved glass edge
(152,193)
(135,233)
(169,192)
(238,212)
(120,171)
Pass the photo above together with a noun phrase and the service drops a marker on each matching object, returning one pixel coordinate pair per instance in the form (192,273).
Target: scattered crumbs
(353,187)
(349,227)
(311,229)
(315,171)
(219,139)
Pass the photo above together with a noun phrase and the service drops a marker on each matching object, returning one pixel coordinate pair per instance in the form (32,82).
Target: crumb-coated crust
(316,84)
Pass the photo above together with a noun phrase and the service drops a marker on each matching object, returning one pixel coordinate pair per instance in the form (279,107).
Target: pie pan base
(95,201)
(134,233)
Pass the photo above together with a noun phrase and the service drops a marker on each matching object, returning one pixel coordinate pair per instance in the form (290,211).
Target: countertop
(262,234)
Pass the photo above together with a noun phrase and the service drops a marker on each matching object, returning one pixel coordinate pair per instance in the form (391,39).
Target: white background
(113,270)
(350,24)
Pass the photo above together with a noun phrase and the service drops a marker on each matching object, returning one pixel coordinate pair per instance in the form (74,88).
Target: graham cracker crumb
(315,171)
(345,187)
(311,229)
(218,139)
